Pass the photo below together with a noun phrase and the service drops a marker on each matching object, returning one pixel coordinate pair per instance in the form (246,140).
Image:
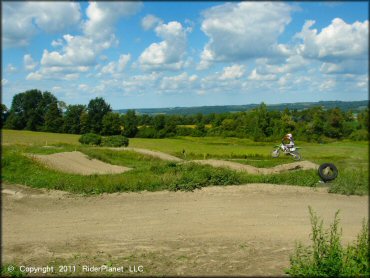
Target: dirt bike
(288,151)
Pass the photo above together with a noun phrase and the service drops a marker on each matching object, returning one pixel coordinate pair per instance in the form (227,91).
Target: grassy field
(152,174)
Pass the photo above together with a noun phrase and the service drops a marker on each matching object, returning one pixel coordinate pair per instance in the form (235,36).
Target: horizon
(143,55)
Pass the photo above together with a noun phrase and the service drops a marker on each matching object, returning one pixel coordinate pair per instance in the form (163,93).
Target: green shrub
(90,139)
(115,141)
(359,135)
(326,257)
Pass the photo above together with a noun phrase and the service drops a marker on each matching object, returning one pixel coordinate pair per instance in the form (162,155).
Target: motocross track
(79,163)
(233,230)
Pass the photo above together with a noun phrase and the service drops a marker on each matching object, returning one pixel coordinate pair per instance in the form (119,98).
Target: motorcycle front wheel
(275,153)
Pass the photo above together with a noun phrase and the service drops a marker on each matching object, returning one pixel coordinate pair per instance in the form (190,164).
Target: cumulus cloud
(79,53)
(341,46)
(102,16)
(178,83)
(141,83)
(168,53)
(29,63)
(233,72)
(243,30)
(116,67)
(150,21)
(10,68)
(21,20)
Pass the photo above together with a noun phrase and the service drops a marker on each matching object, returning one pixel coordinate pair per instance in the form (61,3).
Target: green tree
(72,118)
(130,123)
(84,123)
(53,118)
(159,122)
(111,124)
(96,110)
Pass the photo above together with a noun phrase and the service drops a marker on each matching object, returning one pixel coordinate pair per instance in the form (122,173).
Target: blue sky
(166,54)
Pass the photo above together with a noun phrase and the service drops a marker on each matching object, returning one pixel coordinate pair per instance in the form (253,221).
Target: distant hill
(355,106)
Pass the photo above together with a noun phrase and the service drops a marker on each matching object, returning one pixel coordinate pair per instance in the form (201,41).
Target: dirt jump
(300,165)
(232,230)
(157,154)
(78,163)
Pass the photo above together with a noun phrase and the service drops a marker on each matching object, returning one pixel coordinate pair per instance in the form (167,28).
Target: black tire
(296,155)
(328,172)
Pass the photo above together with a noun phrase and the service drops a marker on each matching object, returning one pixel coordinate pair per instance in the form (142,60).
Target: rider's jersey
(291,142)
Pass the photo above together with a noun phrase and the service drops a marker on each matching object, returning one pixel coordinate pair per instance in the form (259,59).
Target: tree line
(41,111)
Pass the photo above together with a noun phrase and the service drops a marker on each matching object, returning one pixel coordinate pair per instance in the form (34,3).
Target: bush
(326,257)
(359,135)
(115,141)
(90,139)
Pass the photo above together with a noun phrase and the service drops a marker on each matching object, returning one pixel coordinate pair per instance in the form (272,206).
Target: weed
(326,257)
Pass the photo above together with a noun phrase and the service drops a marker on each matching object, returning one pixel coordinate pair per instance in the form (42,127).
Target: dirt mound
(300,165)
(78,163)
(232,230)
(160,155)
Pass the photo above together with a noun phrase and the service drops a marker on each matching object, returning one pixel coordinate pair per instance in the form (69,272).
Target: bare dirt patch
(78,163)
(233,230)
(300,165)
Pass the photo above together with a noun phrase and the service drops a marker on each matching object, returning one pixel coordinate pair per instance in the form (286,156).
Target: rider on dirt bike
(288,141)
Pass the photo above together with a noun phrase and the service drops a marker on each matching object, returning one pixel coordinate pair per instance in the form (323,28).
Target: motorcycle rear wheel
(296,155)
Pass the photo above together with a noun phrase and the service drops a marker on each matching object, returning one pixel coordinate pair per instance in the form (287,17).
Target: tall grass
(326,257)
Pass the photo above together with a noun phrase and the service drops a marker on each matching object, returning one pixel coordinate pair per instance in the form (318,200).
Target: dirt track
(78,163)
(246,230)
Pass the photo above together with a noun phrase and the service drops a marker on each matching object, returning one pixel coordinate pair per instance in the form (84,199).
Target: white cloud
(233,72)
(83,87)
(34,76)
(243,30)
(110,68)
(4,82)
(29,63)
(10,68)
(167,54)
(178,83)
(341,46)
(123,61)
(116,67)
(150,21)
(327,85)
(141,83)
(80,53)
(102,17)
(21,20)
(254,75)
